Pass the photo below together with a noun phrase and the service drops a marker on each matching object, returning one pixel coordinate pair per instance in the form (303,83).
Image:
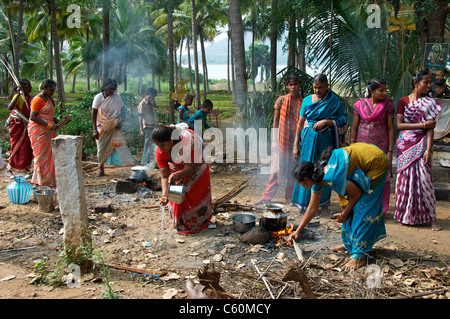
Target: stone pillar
(67,150)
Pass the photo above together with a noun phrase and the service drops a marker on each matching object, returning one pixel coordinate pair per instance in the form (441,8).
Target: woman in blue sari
(322,117)
(357,173)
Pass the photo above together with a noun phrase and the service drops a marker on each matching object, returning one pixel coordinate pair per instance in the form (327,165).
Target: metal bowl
(243,222)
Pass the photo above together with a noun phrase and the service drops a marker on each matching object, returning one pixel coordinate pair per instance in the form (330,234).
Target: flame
(278,235)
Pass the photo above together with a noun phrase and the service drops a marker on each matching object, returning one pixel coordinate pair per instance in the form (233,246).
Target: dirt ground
(133,234)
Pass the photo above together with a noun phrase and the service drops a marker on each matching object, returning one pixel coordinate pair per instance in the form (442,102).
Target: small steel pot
(243,222)
(176,193)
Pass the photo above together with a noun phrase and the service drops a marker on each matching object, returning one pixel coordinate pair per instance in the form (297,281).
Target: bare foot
(435,225)
(338,248)
(354,264)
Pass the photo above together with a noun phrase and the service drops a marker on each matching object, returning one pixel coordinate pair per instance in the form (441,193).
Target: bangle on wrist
(424,125)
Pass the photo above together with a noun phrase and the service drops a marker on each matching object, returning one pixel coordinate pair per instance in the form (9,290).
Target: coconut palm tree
(237,42)
(133,40)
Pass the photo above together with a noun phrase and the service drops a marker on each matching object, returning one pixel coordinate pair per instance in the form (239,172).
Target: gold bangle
(424,126)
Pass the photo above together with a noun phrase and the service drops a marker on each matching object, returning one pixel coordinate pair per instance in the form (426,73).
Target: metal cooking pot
(243,222)
(273,218)
(176,193)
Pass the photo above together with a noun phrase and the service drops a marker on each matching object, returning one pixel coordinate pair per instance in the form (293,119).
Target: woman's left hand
(340,218)
(427,158)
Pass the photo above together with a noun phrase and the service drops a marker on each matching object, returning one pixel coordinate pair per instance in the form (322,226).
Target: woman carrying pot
(179,155)
(357,173)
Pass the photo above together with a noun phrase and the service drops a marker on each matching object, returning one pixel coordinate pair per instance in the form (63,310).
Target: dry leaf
(169,294)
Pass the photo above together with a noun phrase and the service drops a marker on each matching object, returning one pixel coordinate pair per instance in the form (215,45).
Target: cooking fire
(280,235)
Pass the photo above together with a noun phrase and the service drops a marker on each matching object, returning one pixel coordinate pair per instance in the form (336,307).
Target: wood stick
(15,249)
(139,271)
(421,294)
(263,278)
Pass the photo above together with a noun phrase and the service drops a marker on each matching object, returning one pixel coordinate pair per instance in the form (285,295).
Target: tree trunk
(253,57)
(18,41)
(73,83)
(171,66)
(105,39)
(302,26)
(291,41)
(194,46)
(88,69)
(228,60)
(233,75)
(237,41)
(273,45)
(191,88)
(205,79)
(58,67)
(431,23)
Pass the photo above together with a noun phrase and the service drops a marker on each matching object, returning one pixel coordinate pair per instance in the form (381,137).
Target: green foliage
(81,125)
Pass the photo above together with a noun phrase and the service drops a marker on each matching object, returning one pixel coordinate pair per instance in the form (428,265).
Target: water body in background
(220,71)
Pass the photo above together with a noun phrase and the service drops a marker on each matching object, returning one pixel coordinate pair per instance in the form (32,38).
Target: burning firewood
(295,273)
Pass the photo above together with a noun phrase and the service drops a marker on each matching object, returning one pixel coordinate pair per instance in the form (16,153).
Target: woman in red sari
(373,122)
(415,199)
(42,120)
(179,155)
(21,154)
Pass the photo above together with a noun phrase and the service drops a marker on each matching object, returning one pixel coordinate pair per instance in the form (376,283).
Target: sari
(313,143)
(44,165)
(195,212)
(282,160)
(21,153)
(373,129)
(112,149)
(415,198)
(365,165)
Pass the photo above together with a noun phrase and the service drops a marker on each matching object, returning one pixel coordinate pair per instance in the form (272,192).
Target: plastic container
(19,191)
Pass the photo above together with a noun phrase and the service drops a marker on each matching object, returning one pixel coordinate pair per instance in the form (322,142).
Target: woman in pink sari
(373,122)
(415,199)
(42,120)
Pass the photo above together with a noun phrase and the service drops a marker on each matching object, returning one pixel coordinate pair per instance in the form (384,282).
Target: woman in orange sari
(21,154)
(42,120)
(285,118)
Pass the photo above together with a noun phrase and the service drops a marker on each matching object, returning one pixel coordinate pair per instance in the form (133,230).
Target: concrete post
(67,150)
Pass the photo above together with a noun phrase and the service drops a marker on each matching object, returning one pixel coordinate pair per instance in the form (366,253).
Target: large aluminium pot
(273,218)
